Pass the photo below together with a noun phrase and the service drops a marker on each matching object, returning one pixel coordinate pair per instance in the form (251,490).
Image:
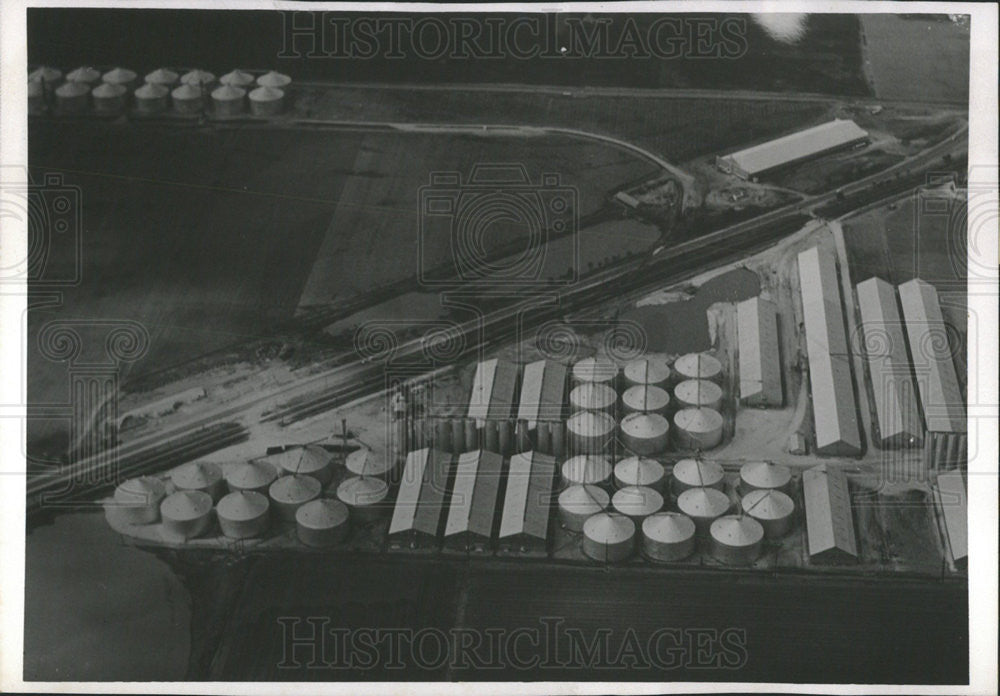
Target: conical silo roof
(584,499)
(228,93)
(639,471)
(324,513)
(162,76)
(252,474)
(698,420)
(698,366)
(644,425)
(698,392)
(295,489)
(72,89)
(645,397)
(119,76)
(144,490)
(649,369)
(703,502)
(767,504)
(586,469)
(197,77)
(84,74)
(737,530)
(637,501)
(590,423)
(266,94)
(596,369)
(237,78)
(362,490)
(668,527)
(765,475)
(45,74)
(695,473)
(151,90)
(196,475)
(186,92)
(186,505)
(242,506)
(108,90)
(274,79)
(591,396)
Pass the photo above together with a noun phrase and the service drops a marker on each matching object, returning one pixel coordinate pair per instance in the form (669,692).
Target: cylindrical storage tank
(522,436)
(593,396)
(471,434)
(121,76)
(200,476)
(505,437)
(772,508)
(274,79)
(442,435)
(637,502)
(289,493)
(558,432)
(313,461)
(590,432)
(491,436)
(186,514)
(243,514)
(696,473)
(321,522)
(187,99)
(266,101)
(593,469)
(608,537)
(645,433)
(251,476)
(578,503)
(139,499)
(36,97)
(640,471)
(697,366)
(543,434)
(458,436)
(84,75)
(668,536)
(694,393)
(764,475)
(228,100)
(162,77)
(698,428)
(598,370)
(649,369)
(238,78)
(109,99)
(736,539)
(198,78)
(364,496)
(645,398)
(72,97)
(151,98)
(704,506)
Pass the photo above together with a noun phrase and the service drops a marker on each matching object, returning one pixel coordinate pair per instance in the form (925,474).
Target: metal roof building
(829,521)
(420,501)
(834,409)
(793,148)
(760,354)
(937,381)
(524,522)
(884,345)
(493,390)
(543,392)
(474,499)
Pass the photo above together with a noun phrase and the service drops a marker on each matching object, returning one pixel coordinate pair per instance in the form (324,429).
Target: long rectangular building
(543,392)
(884,343)
(493,389)
(524,522)
(793,148)
(760,353)
(954,505)
(829,521)
(931,352)
(420,501)
(472,508)
(835,412)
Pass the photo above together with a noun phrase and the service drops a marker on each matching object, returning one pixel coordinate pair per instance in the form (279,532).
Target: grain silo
(704,506)
(289,493)
(72,97)
(697,473)
(592,469)
(591,396)
(266,101)
(364,462)
(578,503)
(238,78)
(645,397)
(36,97)
(188,99)
(138,499)
(736,539)
(243,514)
(645,433)
(162,77)
(608,537)
(121,76)
(649,369)
(590,432)
(698,428)
(637,502)
(274,79)
(109,99)
(364,496)
(84,75)
(228,100)
(694,393)
(49,77)
(199,476)
(312,460)
(253,475)
(151,98)
(321,522)
(698,366)
(198,78)
(598,369)
(668,536)
(186,514)
(640,471)
(764,475)
(772,508)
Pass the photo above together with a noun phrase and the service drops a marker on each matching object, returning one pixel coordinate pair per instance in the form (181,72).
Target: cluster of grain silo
(195,92)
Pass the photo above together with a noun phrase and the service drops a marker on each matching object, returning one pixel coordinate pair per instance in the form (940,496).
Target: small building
(543,392)
(759,353)
(829,520)
(765,158)
(953,502)
(420,503)
(524,520)
(472,508)
(493,388)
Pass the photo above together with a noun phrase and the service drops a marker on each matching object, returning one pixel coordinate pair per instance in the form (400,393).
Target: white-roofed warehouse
(760,355)
(790,149)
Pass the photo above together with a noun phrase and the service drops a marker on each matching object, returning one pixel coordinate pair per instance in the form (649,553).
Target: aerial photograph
(497,346)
